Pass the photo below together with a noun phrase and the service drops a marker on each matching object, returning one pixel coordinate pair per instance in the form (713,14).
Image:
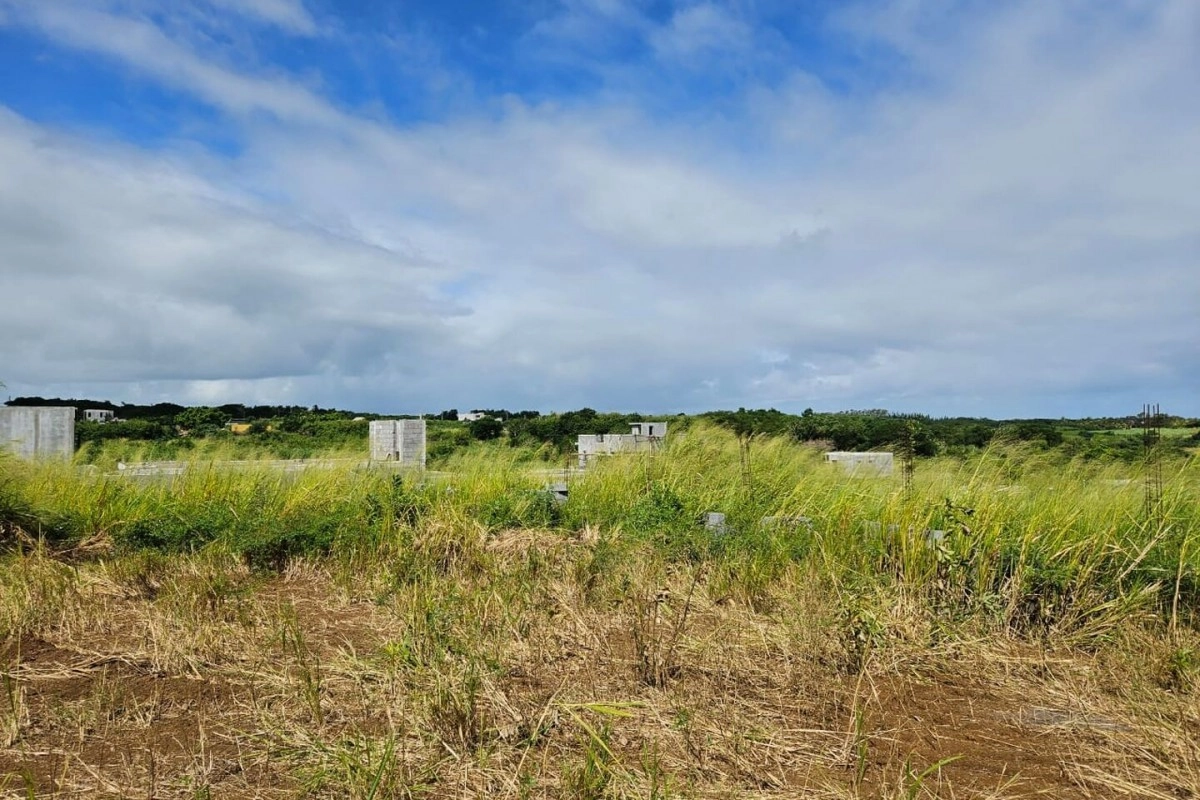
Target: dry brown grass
(510,665)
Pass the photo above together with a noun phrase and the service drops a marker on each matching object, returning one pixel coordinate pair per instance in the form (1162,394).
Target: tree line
(870,429)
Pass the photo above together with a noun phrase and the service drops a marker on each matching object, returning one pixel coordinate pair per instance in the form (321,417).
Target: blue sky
(922,205)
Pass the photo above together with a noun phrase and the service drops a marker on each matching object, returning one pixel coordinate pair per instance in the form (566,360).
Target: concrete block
(412,442)
(38,431)
(382,434)
(398,440)
(714,522)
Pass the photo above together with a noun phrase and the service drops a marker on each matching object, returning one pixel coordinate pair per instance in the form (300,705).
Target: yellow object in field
(239,428)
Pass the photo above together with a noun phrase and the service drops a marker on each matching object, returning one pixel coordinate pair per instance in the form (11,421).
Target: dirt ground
(295,686)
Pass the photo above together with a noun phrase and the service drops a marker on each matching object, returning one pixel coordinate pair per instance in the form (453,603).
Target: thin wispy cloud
(289,15)
(924,205)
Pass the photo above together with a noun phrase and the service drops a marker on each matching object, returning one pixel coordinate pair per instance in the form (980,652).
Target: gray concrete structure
(643,437)
(558,492)
(399,440)
(863,464)
(652,430)
(99,415)
(38,431)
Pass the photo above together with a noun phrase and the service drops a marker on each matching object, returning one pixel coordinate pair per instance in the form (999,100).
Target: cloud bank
(953,209)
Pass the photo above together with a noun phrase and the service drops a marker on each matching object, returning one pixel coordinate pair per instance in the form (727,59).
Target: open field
(1166,433)
(341,632)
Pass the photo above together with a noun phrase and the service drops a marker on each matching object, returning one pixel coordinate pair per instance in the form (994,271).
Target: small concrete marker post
(714,522)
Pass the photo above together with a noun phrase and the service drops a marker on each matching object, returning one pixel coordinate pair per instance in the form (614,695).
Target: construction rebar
(908,456)
(1151,423)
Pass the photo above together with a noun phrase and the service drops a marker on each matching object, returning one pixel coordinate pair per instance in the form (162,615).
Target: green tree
(486,428)
(201,418)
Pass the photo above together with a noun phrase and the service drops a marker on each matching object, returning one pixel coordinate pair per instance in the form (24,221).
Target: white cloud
(1014,231)
(700,31)
(587,23)
(126,267)
(137,42)
(290,15)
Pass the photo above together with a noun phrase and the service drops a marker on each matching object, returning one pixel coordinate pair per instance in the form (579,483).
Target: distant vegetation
(166,431)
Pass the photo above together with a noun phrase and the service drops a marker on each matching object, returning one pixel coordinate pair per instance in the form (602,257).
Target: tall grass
(1026,540)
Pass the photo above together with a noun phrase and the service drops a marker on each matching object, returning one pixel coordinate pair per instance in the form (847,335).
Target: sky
(955,207)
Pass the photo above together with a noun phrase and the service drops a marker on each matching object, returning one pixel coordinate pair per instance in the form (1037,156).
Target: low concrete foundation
(863,464)
(642,437)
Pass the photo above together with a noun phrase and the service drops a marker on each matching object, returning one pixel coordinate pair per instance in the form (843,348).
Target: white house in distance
(643,437)
(99,415)
(471,416)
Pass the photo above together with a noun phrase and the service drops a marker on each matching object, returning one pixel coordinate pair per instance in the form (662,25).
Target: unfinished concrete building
(863,464)
(399,440)
(651,430)
(99,415)
(643,437)
(38,431)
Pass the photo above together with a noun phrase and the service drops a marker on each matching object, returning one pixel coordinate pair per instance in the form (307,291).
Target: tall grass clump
(1012,535)
(266,514)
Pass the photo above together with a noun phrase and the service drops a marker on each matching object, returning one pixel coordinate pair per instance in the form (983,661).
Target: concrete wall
(606,444)
(654,429)
(863,463)
(400,440)
(411,434)
(383,440)
(596,444)
(37,431)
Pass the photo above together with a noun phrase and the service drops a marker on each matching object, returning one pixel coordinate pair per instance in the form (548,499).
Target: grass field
(1166,433)
(343,632)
